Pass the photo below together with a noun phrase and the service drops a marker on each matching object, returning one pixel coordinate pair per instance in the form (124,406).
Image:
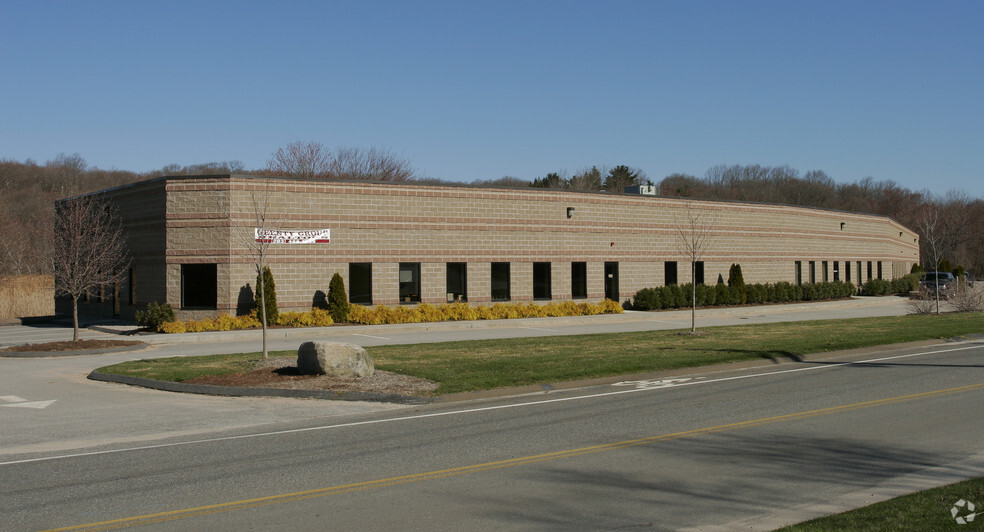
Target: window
(799,273)
(837,273)
(579,280)
(500,281)
(132,291)
(457,284)
(869,271)
(847,271)
(670,268)
(541,280)
(410,282)
(813,272)
(826,271)
(360,283)
(699,272)
(199,286)
(880,270)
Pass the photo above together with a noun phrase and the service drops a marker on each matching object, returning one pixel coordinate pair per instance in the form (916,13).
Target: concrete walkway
(629,320)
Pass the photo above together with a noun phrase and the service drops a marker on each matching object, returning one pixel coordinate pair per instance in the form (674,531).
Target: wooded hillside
(28,191)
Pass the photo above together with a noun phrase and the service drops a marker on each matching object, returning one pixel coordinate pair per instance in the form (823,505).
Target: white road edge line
(487,408)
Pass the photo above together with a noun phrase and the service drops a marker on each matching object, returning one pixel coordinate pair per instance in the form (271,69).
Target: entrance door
(611,281)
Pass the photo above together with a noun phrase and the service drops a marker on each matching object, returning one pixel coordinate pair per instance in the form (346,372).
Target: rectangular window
(869,271)
(799,273)
(880,270)
(409,282)
(541,280)
(670,268)
(860,273)
(132,291)
(457,284)
(360,283)
(837,273)
(813,272)
(699,272)
(826,272)
(847,271)
(199,286)
(500,281)
(579,280)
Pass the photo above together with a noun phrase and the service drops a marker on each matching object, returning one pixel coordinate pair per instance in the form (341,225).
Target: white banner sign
(276,236)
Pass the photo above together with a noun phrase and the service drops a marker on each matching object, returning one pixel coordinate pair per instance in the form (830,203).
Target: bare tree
(588,179)
(693,237)
(374,164)
(301,159)
(89,252)
(256,248)
(933,240)
(315,161)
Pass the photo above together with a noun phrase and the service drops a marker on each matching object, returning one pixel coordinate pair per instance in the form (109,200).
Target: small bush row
(881,287)
(680,296)
(312,318)
(387,315)
(461,311)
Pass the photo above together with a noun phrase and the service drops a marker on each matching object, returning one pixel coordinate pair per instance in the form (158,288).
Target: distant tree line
(29,189)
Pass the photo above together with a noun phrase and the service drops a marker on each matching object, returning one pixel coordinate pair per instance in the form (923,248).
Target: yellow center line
(489,466)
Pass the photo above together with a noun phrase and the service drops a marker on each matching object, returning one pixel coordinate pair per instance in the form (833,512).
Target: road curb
(80,352)
(234,391)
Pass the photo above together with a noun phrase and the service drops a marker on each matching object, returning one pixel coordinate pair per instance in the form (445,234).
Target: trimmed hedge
(462,311)
(387,315)
(902,285)
(679,296)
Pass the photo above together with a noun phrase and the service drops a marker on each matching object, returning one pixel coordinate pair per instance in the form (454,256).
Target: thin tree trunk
(693,296)
(263,315)
(75,318)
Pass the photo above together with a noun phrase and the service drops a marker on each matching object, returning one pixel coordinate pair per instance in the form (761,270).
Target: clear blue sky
(893,90)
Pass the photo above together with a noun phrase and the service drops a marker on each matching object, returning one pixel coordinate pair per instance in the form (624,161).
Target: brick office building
(404,243)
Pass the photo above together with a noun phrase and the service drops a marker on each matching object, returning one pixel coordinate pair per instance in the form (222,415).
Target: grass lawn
(925,510)
(487,364)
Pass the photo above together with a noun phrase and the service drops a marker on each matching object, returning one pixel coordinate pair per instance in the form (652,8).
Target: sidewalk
(890,305)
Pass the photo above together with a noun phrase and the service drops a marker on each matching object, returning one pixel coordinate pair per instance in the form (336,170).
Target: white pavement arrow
(17,402)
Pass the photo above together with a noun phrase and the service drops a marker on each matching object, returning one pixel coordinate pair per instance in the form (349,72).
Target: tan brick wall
(209,219)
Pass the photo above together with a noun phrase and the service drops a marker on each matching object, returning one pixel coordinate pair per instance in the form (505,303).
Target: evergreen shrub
(155,315)
(269,295)
(338,303)
(736,281)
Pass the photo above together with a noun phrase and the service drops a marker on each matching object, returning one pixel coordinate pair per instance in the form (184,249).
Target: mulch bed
(81,345)
(283,373)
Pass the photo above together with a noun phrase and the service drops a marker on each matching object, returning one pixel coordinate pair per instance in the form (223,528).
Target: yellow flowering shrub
(423,313)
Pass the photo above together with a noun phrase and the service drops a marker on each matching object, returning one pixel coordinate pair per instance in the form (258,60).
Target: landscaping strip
(932,509)
(487,364)
(232,391)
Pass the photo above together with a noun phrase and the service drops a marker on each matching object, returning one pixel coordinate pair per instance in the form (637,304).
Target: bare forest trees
(90,250)
(313,160)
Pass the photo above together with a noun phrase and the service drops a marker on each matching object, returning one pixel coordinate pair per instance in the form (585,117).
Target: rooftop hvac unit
(645,190)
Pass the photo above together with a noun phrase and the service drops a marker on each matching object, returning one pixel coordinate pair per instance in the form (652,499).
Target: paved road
(75,451)
(752,448)
(88,414)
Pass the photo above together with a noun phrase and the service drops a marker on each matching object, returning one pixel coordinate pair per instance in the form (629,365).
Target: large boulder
(334,359)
